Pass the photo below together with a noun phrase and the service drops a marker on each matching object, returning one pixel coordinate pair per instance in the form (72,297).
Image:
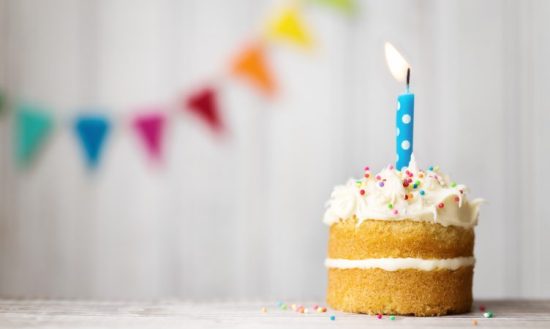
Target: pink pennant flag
(150,127)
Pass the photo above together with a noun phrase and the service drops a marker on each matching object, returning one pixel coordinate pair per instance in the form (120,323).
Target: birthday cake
(401,242)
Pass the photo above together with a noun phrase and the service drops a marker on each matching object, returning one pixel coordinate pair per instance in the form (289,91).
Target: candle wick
(408,78)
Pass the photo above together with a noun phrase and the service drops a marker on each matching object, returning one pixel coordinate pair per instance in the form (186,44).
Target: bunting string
(34,124)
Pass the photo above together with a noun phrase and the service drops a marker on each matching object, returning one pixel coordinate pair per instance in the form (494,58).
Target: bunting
(204,104)
(33,125)
(251,65)
(289,26)
(150,129)
(92,131)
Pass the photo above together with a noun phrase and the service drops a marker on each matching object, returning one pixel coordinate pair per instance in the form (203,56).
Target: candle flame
(396,62)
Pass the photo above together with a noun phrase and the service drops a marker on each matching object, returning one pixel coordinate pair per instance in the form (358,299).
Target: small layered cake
(401,242)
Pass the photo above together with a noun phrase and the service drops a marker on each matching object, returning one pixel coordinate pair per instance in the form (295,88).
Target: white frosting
(410,194)
(394,264)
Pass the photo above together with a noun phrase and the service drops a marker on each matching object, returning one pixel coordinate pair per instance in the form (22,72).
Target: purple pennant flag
(150,127)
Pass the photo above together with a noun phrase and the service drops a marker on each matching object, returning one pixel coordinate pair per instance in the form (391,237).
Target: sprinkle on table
(474,322)
(381,184)
(264,310)
(332,318)
(453,184)
(482,308)
(392,317)
(379,316)
(362,192)
(488,314)
(422,192)
(441,205)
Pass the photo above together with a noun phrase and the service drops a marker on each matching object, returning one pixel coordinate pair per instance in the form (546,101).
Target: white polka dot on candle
(406,119)
(405,145)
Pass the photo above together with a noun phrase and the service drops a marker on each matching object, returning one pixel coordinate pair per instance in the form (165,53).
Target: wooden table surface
(179,314)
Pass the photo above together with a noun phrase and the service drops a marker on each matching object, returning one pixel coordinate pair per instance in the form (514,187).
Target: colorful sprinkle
(390,167)
(321,309)
(488,314)
(264,310)
(390,205)
(332,318)
(422,192)
(362,192)
(378,177)
(410,174)
(367,175)
(367,168)
(482,308)
(405,184)
(421,175)
(392,317)
(293,307)
(474,322)
(406,197)
(457,199)
(436,168)
(315,307)
(381,184)
(441,205)
(379,316)
(431,168)
(453,184)
(395,211)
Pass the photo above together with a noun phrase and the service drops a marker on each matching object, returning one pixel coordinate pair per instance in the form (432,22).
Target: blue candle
(404,121)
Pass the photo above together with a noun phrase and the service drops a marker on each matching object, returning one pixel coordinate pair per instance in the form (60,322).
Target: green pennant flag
(346,6)
(2,102)
(33,125)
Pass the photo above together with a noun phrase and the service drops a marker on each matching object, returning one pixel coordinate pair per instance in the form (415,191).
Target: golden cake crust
(398,239)
(404,292)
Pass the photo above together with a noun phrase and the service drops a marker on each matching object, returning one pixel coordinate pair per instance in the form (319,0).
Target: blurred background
(238,214)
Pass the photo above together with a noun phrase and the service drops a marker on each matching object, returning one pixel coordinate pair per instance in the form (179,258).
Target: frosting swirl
(409,194)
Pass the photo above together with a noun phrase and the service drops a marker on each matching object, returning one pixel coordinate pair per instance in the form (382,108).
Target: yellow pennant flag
(289,26)
(251,65)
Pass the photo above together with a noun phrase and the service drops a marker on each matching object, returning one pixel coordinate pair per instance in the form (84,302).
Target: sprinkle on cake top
(409,194)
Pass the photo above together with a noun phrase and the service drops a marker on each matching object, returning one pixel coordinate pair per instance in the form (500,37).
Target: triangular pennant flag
(92,131)
(346,6)
(251,64)
(289,26)
(2,102)
(150,128)
(33,126)
(204,104)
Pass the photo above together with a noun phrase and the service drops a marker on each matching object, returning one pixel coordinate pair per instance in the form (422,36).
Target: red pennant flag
(150,128)
(204,104)
(251,64)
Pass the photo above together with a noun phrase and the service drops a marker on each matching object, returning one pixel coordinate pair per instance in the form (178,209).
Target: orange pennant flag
(289,26)
(251,65)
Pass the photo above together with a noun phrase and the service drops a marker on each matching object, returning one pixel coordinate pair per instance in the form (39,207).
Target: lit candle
(404,119)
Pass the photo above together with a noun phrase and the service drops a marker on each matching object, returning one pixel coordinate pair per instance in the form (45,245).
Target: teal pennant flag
(92,130)
(33,125)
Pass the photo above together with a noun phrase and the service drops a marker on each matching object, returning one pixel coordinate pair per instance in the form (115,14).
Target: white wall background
(242,218)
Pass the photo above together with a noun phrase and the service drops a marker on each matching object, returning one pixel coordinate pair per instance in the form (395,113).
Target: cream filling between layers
(395,264)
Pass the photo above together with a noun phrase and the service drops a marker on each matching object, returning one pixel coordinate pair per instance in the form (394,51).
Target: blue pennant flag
(33,125)
(92,131)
